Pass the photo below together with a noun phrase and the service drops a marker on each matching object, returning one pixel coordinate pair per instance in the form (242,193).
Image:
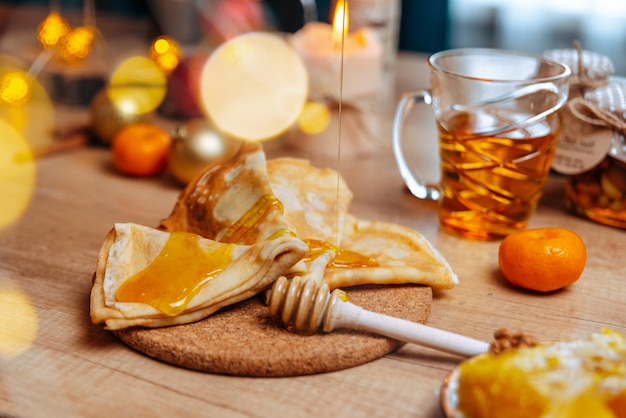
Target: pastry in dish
(577,378)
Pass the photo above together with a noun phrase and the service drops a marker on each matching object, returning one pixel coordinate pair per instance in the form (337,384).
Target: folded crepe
(231,201)
(315,200)
(229,222)
(402,255)
(316,204)
(151,278)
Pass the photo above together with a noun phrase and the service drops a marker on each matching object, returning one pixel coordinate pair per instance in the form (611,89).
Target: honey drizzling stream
(344,30)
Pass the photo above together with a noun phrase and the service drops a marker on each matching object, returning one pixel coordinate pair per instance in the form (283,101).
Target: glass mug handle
(418,188)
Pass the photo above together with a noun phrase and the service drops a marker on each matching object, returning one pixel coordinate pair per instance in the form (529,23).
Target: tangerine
(140,149)
(542,259)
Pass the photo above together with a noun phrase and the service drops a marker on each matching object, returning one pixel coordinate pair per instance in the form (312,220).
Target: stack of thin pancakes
(238,227)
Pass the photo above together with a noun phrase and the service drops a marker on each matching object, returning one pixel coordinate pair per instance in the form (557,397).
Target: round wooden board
(244,340)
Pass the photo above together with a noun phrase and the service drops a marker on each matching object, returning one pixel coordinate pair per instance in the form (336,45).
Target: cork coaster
(244,340)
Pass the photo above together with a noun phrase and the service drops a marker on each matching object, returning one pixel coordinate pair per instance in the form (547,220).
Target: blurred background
(428,26)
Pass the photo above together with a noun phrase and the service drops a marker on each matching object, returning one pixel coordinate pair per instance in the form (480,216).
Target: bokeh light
(51,30)
(256,78)
(314,118)
(77,43)
(137,85)
(26,106)
(17,174)
(15,87)
(18,320)
(166,53)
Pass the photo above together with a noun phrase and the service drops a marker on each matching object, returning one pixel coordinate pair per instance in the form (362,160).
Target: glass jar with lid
(591,151)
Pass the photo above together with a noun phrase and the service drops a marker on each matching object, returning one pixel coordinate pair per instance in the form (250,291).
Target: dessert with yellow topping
(578,378)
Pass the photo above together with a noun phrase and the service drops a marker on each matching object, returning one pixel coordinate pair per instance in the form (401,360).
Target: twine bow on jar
(592,108)
(594,114)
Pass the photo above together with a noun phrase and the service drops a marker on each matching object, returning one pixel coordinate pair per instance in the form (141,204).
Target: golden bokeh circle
(166,53)
(17,174)
(314,118)
(77,43)
(254,86)
(26,105)
(51,30)
(19,325)
(137,85)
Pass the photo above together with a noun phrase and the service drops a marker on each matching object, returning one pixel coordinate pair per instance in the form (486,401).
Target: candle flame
(341,21)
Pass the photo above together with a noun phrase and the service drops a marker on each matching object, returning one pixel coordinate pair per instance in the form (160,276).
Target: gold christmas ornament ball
(196,144)
(106,118)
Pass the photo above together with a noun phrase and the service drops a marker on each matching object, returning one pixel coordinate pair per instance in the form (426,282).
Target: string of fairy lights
(246,73)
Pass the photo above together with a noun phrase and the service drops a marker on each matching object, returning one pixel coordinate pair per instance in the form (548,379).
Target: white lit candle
(320,47)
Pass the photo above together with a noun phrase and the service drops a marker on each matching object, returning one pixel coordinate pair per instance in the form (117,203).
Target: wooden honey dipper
(306,306)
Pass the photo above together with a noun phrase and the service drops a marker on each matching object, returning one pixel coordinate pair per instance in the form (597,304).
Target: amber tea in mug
(498,121)
(491,184)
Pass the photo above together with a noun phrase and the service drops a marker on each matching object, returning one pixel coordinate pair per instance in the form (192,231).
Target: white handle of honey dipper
(343,314)
(307,306)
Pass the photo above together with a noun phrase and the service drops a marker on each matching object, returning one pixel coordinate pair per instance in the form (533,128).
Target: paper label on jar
(581,146)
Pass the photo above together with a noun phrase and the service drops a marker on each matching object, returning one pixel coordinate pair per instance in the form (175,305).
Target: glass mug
(498,119)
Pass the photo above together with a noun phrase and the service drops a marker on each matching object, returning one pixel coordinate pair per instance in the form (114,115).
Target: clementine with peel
(140,149)
(542,259)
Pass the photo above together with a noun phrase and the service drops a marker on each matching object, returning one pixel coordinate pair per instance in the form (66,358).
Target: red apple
(183,87)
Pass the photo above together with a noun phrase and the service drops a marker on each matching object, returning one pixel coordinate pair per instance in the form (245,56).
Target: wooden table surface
(76,369)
